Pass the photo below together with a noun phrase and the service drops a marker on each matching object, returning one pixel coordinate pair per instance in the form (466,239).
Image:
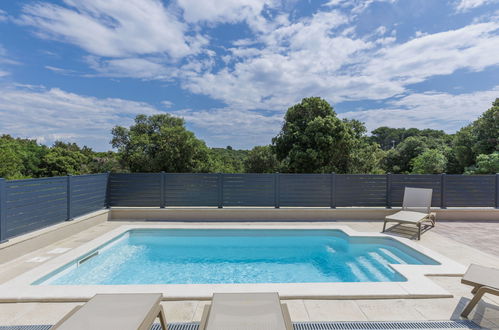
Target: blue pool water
(185,256)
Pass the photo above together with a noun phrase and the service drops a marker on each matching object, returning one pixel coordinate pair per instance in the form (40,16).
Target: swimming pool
(212,256)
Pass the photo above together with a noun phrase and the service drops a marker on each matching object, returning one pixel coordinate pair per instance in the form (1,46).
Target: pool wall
(417,285)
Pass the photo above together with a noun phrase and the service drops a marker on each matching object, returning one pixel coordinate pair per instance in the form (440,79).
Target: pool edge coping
(418,285)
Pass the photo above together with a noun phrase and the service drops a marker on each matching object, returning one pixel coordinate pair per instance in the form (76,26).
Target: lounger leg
(384,227)
(475,289)
(419,231)
(476,298)
(162,318)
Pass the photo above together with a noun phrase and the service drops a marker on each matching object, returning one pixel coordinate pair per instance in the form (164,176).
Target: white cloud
(429,110)
(472,47)
(112,28)
(167,104)
(465,5)
(3,15)
(235,127)
(141,68)
(221,10)
(50,114)
(355,6)
(313,57)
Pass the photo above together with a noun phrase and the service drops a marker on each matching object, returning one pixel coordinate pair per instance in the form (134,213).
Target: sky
(71,70)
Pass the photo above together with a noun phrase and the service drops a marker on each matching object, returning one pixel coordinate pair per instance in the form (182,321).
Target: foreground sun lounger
(248,311)
(415,209)
(483,280)
(115,311)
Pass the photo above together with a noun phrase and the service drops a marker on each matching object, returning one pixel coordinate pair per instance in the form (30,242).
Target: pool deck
(448,238)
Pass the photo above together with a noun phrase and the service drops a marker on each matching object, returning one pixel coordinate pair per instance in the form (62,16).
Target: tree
(398,160)
(431,161)
(160,143)
(485,164)
(486,131)
(227,160)
(62,159)
(314,140)
(11,165)
(261,159)
(479,137)
(389,138)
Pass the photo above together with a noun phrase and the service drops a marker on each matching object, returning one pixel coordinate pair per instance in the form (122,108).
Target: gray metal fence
(313,190)
(31,204)
(27,205)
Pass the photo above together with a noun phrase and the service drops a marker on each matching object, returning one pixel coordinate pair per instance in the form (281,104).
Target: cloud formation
(51,114)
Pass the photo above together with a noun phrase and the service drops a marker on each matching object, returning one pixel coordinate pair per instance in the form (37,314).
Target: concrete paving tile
(297,310)
(334,310)
(10,313)
(198,314)
(389,310)
(439,309)
(179,311)
(47,313)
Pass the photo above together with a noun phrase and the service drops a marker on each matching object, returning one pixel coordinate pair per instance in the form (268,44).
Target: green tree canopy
(261,159)
(431,161)
(485,164)
(314,140)
(480,137)
(160,143)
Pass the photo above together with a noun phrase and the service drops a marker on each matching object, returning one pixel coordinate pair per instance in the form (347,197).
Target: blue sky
(71,70)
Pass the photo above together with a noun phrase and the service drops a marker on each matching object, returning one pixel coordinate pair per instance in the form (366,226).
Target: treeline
(312,140)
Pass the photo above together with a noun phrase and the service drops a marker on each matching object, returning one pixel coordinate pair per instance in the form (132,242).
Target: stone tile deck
(449,239)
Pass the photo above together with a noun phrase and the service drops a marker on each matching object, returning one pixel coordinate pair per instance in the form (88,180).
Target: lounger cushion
(482,276)
(232,311)
(113,311)
(408,216)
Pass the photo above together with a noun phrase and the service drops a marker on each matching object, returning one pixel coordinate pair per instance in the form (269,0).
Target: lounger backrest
(417,199)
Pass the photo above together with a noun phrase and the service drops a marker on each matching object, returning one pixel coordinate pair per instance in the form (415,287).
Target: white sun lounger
(483,280)
(115,311)
(415,209)
(248,311)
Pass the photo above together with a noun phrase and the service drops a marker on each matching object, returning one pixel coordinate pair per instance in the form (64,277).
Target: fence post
(443,179)
(3,215)
(497,190)
(333,191)
(69,198)
(162,193)
(388,190)
(108,190)
(276,190)
(220,190)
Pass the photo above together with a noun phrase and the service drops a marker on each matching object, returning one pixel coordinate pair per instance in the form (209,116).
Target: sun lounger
(248,311)
(115,311)
(483,280)
(415,209)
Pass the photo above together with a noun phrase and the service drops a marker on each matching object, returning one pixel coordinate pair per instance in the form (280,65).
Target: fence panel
(476,190)
(400,181)
(34,203)
(307,190)
(248,190)
(360,190)
(191,189)
(135,189)
(88,193)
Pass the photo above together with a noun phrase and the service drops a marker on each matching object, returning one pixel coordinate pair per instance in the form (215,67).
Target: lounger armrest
(287,317)
(204,318)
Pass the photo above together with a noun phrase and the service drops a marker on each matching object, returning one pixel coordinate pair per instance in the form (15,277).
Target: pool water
(186,256)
